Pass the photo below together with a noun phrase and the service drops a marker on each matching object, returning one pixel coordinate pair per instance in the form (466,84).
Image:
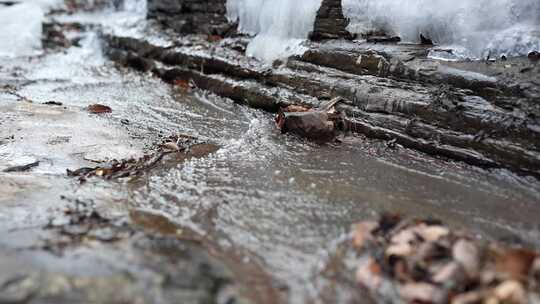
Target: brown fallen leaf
(369,274)
(400,250)
(431,251)
(515,263)
(183,85)
(406,236)
(421,293)
(170,146)
(313,125)
(388,221)
(214,38)
(427,262)
(431,233)
(471,297)
(363,233)
(98,109)
(467,254)
(296,108)
(402,271)
(511,292)
(452,272)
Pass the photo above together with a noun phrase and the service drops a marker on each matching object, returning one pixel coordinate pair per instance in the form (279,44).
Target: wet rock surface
(483,113)
(141,259)
(233,211)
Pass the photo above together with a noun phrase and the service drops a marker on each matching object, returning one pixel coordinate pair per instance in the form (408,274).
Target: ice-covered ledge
(279,26)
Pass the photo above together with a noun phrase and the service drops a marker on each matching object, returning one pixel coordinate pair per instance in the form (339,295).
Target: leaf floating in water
(99,109)
(214,38)
(183,85)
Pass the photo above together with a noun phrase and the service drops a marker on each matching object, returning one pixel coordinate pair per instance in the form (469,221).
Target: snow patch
(279,26)
(21,26)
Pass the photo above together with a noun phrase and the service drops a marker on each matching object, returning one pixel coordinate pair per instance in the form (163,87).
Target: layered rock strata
(482,113)
(192,16)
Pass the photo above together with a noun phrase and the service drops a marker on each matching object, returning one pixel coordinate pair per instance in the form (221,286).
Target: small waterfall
(472,28)
(279,26)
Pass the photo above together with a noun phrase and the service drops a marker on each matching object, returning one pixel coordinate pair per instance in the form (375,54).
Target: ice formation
(44,4)
(136,6)
(472,28)
(21,26)
(475,27)
(279,26)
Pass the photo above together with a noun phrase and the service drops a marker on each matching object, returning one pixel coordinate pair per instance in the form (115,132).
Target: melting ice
(280,26)
(136,6)
(21,26)
(475,27)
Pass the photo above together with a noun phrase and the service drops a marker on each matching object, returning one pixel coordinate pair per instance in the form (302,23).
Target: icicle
(280,26)
(479,26)
(136,6)
(21,26)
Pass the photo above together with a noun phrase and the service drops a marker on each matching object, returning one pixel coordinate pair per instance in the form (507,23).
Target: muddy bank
(483,113)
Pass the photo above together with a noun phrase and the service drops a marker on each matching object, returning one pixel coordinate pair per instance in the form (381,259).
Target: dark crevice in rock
(330,22)
(192,16)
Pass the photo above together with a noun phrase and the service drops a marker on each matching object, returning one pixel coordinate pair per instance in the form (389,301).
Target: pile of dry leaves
(423,261)
(178,147)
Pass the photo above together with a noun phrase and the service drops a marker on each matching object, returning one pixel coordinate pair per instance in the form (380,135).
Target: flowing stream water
(283,199)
